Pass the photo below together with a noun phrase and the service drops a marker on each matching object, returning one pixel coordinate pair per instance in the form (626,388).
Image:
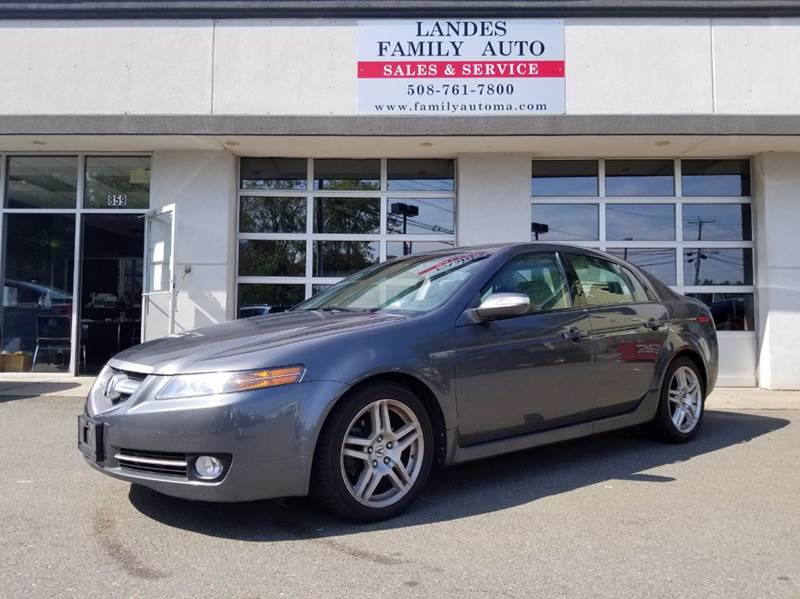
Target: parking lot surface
(616,516)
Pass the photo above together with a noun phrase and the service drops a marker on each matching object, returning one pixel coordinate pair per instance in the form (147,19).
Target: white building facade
(174,166)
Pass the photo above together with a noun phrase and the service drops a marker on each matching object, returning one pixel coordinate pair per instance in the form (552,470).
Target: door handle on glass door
(573,334)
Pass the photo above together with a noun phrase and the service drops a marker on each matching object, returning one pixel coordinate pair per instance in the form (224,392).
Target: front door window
(539,276)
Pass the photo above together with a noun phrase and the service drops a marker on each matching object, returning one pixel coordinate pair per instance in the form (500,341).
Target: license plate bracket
(90,438)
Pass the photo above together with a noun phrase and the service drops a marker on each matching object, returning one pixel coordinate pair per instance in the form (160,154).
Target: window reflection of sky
(564,186)
(715,177)
(660,262)
(712,185)
(421,185)
(640,222)
(628,178)
(395,249)
(562,178)
(716,222)
(436,217)
(428,174)
(647,186)
(567,222)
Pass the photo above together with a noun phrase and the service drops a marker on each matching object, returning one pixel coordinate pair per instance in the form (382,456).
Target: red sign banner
(467,69)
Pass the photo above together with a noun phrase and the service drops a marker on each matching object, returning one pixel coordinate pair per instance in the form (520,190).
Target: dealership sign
(461,66)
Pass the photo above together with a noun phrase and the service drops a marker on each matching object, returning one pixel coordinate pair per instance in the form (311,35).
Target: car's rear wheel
(374,454)
(682,402)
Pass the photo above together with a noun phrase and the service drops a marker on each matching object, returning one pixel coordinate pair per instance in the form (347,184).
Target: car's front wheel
(374,454)
(682,402)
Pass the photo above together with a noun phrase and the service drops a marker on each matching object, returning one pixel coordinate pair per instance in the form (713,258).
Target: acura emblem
(110,392)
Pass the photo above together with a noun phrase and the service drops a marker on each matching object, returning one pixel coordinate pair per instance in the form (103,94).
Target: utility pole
(700,256)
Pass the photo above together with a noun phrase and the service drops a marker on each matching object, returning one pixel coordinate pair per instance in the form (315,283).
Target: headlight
(213,383)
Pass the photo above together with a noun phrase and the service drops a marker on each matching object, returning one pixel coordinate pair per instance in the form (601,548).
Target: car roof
(542,247)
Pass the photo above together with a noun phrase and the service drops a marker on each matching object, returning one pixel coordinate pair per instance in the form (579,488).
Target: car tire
(681,404)
(364,470)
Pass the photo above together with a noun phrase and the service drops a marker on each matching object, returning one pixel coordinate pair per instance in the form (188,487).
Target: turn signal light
(259,379)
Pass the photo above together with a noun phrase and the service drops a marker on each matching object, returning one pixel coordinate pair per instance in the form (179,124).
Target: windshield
(415,284)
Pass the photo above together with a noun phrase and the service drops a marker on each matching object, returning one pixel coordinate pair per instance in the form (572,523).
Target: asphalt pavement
(617,515)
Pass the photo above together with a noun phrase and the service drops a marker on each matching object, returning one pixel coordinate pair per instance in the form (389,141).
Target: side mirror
(503,305)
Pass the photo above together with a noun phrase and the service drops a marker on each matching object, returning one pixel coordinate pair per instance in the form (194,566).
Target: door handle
(653,324)
(573,334)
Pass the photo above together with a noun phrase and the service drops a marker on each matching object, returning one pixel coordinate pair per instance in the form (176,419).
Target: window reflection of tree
(340,258)
(351,216)
(285,184)
(354,216)
(272,258)
(272,215)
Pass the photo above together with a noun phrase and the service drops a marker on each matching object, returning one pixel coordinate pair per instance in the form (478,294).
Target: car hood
(243,344)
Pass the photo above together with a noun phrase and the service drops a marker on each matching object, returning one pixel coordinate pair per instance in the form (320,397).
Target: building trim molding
(400,126)
(194,9)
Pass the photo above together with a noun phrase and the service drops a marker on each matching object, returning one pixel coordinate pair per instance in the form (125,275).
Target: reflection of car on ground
(440,358)
(27,307)
(260,310)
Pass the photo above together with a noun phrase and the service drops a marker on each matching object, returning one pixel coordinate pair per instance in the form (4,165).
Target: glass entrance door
(159,291)
(36,315)
(112,261)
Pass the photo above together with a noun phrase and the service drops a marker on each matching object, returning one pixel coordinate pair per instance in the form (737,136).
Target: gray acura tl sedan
(432,359)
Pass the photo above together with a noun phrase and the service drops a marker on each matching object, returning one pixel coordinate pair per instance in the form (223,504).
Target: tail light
(703,319)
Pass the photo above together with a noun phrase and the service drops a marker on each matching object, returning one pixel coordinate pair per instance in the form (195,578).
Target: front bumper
(269,435)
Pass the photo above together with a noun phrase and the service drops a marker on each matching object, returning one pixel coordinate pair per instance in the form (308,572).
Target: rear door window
(606,283)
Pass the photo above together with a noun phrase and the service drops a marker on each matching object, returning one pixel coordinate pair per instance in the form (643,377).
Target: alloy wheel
(685,399)
(382,453)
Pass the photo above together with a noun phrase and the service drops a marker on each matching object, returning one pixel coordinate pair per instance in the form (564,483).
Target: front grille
(134,376)
(155,462)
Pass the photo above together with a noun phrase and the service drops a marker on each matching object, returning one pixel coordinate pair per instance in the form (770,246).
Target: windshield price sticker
(451,262)
(461,67)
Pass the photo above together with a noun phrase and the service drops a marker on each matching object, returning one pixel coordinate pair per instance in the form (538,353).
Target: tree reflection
(272,215)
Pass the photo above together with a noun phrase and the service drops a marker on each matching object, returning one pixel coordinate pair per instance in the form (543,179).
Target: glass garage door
(688,222)
(304,224)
